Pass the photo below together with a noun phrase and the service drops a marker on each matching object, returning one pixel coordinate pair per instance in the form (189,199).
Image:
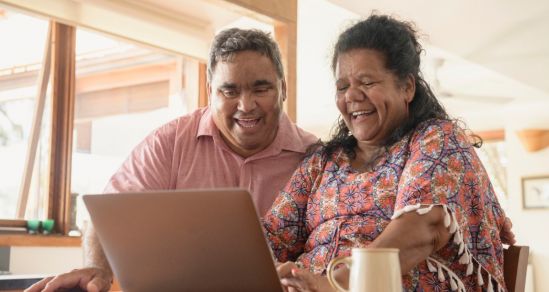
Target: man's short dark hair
(231,41)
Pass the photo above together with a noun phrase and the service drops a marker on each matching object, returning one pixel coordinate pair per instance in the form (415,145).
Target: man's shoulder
(305,136)
(296,133)
(185,124)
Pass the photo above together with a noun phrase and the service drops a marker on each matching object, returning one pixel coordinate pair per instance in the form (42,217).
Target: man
(242,139)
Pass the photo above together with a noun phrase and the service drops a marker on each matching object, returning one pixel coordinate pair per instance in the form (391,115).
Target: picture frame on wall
(535,192)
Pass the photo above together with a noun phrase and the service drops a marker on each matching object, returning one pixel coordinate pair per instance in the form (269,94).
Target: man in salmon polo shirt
(242,139)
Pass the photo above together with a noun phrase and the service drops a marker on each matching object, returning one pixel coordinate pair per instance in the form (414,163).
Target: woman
(398,172)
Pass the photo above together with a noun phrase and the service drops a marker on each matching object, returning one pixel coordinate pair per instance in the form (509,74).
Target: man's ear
(410,88)
(209,92)
(284,90)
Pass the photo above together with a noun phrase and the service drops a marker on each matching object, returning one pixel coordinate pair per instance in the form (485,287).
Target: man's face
(246,99)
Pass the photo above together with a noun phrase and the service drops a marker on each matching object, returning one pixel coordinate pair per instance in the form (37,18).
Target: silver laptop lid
(191,240)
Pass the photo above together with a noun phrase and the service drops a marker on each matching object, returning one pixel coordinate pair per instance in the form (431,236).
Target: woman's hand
(507,236)
(294,279)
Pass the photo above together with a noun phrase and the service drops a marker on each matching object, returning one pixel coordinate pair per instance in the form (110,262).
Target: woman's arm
(284,224)
(415,235)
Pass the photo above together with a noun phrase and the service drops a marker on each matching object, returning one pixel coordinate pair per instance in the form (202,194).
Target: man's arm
(94,255)
(95,277)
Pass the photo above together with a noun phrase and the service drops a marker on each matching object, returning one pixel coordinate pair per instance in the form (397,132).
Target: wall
(44,260)
(530,226)
(320,22)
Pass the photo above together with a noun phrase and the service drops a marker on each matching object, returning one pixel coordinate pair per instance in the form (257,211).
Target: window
(123,92)
(113,86)
(23,40)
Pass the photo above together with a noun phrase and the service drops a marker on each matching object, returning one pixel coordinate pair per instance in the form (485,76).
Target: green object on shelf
(33,226)
(47,226)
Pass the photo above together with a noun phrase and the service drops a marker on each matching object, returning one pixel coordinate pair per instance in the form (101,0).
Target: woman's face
(370,98)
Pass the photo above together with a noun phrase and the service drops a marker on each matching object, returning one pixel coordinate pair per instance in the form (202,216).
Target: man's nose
(247,102)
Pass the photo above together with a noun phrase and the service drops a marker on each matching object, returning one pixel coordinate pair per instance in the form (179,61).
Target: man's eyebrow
(227,85)
(262,82)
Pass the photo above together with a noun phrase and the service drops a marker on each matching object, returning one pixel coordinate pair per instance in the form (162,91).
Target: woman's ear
(409,88)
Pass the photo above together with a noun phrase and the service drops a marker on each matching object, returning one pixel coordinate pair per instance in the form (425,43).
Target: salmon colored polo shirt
(189,152)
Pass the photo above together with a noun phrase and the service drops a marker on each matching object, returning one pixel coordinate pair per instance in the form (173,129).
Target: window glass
(22,48)
(123,92)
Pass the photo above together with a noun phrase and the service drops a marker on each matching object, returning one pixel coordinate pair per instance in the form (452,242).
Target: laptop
(190,240)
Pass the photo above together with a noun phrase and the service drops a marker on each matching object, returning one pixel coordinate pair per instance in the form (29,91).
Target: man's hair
(231,41)
(398,42)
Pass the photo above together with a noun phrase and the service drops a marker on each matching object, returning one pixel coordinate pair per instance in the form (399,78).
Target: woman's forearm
(415,235)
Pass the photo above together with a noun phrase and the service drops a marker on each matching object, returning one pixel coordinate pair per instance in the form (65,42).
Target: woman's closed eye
(341,88)
(368,83)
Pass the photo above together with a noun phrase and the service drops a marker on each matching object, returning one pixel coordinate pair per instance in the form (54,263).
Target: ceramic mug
(371,270)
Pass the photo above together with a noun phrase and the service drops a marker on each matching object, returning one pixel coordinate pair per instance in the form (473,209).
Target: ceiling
(497,50)
(486,56)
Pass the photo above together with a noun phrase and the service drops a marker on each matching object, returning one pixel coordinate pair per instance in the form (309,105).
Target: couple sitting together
(398,171)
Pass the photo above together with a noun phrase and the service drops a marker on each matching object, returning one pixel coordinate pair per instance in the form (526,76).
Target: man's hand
(294,279)
(87,279)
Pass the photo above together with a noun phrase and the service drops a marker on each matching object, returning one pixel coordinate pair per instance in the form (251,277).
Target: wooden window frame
(282,14)
(63,101)
(62,79)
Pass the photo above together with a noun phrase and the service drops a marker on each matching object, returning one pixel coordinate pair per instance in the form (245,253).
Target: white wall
(44,260)
(530,226)
(320,22)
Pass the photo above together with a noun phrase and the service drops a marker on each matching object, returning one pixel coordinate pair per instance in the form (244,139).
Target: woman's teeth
(360,113)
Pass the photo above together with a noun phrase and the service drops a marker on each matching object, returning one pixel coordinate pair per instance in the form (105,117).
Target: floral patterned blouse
(327,208)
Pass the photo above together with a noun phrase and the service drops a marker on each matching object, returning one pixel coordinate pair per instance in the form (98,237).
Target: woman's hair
(398,42)
(234,40)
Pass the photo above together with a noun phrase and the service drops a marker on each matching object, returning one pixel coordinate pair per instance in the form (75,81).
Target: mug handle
(329,271)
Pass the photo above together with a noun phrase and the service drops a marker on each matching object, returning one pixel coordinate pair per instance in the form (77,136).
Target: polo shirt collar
(206,125)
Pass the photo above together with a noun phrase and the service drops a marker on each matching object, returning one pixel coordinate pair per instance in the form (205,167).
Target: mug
(371,270)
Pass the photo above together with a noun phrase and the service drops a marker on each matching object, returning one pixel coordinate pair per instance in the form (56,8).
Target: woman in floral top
(398,173)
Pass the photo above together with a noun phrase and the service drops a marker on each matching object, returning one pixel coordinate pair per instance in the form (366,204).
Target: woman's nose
(354,94)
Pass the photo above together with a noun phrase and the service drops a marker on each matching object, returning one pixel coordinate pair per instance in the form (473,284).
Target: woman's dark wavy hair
(397,40)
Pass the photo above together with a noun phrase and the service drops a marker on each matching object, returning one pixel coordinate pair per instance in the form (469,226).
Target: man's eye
(261,90)
(229,93)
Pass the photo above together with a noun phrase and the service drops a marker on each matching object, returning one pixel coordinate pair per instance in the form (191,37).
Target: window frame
(283,15)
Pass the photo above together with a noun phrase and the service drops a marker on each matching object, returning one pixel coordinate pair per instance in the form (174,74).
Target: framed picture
(535,192)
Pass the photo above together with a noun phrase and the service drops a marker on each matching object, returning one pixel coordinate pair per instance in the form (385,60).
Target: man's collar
(206,126)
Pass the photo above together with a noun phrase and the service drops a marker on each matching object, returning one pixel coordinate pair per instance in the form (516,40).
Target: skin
(416,236)
(96,277)
(246,97)
(364,85)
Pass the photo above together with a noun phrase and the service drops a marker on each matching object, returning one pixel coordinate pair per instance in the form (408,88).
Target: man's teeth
(247,123)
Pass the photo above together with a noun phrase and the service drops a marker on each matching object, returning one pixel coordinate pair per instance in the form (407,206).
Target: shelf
(39,240)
